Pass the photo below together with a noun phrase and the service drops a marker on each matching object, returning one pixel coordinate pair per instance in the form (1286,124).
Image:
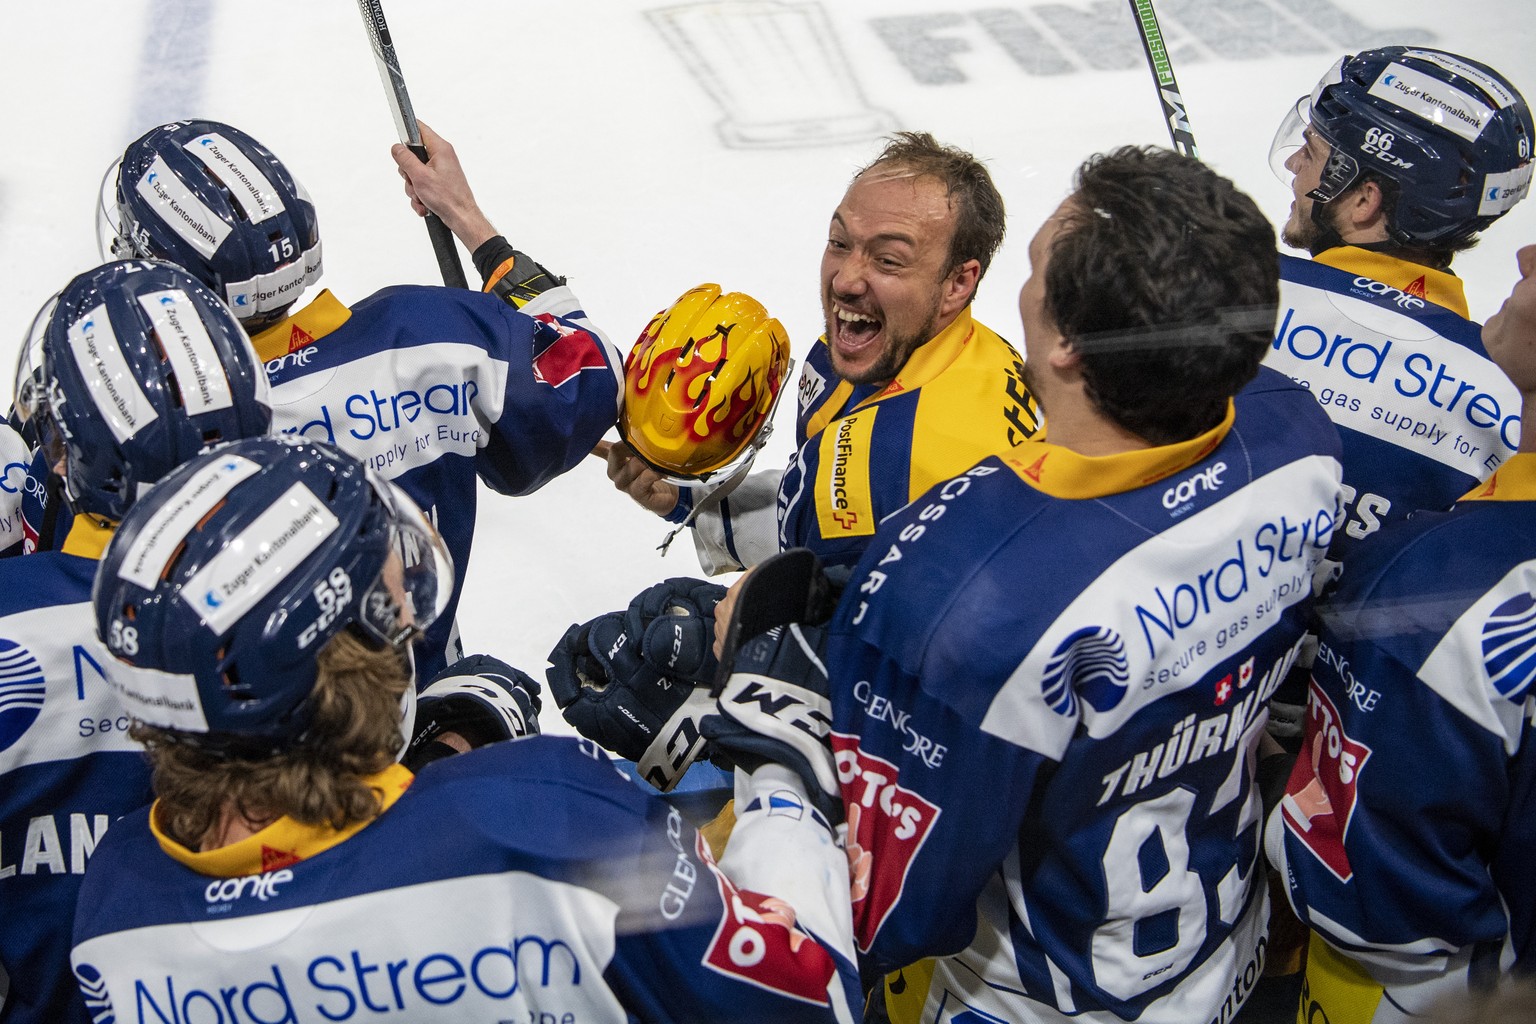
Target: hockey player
(1397,159)
(1054,794)
(430,386)
(289,871)
(1408,828)
(903,389)
(131,370)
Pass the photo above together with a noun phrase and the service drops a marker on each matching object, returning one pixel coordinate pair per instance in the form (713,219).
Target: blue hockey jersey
(434,386)
(1386,348)
(864,451)
(67,769)
(1408,829)
(525,881)
(1049,679)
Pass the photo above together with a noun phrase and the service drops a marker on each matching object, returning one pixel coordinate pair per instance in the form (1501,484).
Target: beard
(897,350)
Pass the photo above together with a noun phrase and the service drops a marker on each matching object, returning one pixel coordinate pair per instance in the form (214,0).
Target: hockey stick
(789,587)
(1162,75)
(405,123)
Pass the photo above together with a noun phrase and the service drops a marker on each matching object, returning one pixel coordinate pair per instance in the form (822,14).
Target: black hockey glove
(775,706)
(629,680)
(481,698)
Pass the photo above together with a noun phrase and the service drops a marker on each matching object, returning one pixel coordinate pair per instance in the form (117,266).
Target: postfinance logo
(22,689)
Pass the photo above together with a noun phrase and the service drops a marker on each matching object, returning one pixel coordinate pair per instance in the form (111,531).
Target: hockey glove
(775,706)
(627,680)
(482,699)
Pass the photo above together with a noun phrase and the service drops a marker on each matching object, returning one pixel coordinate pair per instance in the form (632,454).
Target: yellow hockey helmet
(701,383)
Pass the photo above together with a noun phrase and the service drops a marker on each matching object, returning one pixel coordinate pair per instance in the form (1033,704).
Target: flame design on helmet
(701,381)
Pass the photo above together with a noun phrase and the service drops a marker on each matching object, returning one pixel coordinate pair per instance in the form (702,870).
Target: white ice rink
(641,148)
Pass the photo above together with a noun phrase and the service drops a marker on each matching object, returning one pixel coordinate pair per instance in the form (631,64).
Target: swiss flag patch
(562,351)
(1320,796)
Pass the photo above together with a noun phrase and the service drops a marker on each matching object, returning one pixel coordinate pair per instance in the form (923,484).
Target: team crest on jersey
(1090,665)
(1509,647)
(1320,797)
(93,987)
(22,689)
(758,942)
(563,351)
(887,826)
(812,385)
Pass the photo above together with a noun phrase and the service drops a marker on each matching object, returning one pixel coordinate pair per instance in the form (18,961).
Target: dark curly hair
(1164,278)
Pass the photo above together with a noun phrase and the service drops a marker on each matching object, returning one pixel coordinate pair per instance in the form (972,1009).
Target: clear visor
(113,240)
(1289,139)
(416,583)
(743,461)
(31,401)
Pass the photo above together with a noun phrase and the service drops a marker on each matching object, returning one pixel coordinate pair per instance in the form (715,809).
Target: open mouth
(854,331)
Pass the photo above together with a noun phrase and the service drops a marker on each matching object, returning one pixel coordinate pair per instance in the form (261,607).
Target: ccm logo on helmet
(262,886)
(1208,479)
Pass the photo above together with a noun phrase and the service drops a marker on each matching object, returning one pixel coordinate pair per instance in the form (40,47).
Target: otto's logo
(263,887)
(563,351)
(759,942)
(22,688)
(1090,664)
(1208,479)
(887,826)
(1509,646)
(1320,797)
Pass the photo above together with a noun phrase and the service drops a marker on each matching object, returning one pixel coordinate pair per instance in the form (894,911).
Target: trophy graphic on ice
(775,68)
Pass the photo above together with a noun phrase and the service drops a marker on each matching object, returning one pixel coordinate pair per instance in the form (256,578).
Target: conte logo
(262,886)
(22,688)
(1208,479)
(1090,664)
(1509,646)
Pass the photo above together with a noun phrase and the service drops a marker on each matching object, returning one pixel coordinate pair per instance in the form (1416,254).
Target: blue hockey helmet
(130,371)
(221,586)
(210,198)
(1452,135)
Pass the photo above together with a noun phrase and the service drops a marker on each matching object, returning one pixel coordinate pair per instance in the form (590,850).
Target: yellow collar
(87,538)
(1063,473)
(1412,278)
(281,843)
(1515,480)
(293,332)
(928,361)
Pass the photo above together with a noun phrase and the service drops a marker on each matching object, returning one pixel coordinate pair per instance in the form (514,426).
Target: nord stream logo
(1090,664)
(341,987)
(1509,646)
(22,688)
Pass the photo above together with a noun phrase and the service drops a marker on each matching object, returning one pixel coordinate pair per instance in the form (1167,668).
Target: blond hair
(354,734)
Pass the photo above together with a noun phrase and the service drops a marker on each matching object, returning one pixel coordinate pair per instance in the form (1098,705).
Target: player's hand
(440,186)
(474,701)
(631,475)
(776,707)
(629,680)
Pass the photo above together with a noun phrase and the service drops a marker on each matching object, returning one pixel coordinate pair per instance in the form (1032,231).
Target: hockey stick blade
(1161,66)
(443,246)
(789,587)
